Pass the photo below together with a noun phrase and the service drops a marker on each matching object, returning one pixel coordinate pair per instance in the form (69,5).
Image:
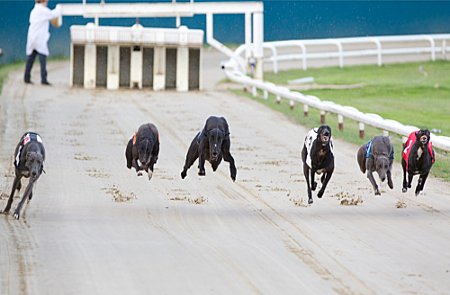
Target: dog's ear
(203,135)
(417,134)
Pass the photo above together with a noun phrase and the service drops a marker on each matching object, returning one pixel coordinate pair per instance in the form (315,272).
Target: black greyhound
(211,144)
(143,149)
(29,159)
(318,157)
(417,158)
(377,155)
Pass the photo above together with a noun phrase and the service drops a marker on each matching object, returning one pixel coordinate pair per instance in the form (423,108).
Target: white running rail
(304,50)
(233,72)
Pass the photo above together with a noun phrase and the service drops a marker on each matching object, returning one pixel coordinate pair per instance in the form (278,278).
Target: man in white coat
(38,36)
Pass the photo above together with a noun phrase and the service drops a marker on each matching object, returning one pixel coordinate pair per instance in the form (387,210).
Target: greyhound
(142,149)
(211,144)
(377,155)
(29,163)
(318,157)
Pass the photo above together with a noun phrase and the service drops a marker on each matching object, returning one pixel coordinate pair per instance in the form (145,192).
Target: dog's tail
(361,158)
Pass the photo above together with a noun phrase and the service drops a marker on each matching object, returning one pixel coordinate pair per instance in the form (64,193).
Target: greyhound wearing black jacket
(318,157)
(143,149)
(29,158)
(417,158)
(211,144)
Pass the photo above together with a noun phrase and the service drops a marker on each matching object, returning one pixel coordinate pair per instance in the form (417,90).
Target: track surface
(94,227)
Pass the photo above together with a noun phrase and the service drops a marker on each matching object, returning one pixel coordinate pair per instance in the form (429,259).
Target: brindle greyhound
(211,144)
(417,158)
(29,163)
(143,149)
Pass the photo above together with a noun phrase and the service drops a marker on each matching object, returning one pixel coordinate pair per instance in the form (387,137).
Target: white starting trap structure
(156,58)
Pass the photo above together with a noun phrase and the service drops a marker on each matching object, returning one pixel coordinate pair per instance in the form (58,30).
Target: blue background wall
(282,20)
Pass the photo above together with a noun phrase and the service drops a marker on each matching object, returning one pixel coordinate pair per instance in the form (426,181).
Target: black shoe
(46,83)
(28,82)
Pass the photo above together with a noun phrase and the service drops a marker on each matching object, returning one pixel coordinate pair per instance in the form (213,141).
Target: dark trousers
(30,61)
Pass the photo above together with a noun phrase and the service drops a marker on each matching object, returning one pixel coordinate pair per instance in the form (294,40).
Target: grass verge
(415,94)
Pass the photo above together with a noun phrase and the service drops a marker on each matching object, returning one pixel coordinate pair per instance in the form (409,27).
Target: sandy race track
(94,227)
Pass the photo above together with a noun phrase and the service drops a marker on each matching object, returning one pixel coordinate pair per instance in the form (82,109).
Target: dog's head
(423,136)
(382,166)
(34,162)
(324,134)
(145,148)
(215,138)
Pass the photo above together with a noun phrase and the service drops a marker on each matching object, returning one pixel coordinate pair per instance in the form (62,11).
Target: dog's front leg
(229,158)
(15,186)
(389,177)
(421,183)
(306,173)
(25,196)
(373,182)
(202,149)
(313,182)
(410,177)
(324,184)
(150,167)
(201,164)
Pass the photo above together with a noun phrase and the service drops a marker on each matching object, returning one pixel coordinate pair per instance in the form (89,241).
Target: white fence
(341,48)
(233,70)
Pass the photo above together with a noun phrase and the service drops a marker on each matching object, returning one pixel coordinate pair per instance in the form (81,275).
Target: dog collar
(134,138)
(368,149)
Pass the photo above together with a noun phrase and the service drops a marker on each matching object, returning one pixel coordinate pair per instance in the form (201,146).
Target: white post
(136,68)
(433,48)
(90,65)
(322,117)
(258,39)
(361,130)
(159,68)
(248,38)
(444,50)
(340,122)
(182,68)
(71,64)
(112,80)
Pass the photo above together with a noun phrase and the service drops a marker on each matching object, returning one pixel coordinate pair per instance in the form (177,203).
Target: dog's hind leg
(404,188)
(25,196)
(16,185)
